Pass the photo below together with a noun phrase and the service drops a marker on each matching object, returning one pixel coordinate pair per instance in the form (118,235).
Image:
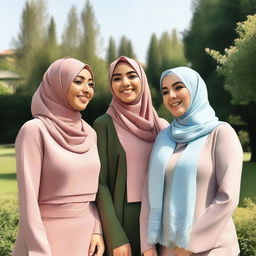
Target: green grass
(7,170)
(8,183)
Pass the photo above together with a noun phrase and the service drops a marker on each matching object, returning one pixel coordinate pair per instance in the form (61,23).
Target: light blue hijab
(192,128)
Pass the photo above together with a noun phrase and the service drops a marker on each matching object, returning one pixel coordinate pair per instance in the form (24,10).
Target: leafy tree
(238,65)
(70,36)
(111,51)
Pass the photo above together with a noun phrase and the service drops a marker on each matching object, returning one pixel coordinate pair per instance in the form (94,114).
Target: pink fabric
(57,179)
(50,104)
(137,125)
(218,187)
(138,117)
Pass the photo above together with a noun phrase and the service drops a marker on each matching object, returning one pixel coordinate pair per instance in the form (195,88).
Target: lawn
(7,170)
(8,183)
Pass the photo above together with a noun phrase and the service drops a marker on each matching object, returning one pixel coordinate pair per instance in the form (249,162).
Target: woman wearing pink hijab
(126,134)
(58,168)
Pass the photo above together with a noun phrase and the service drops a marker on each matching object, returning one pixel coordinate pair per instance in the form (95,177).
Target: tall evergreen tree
(90,34)
(51,35)
(125,48)
(31,39)
(111,51)
(153,62)
(70,36)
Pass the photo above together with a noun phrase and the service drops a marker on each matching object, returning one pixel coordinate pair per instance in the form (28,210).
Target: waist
(66,210)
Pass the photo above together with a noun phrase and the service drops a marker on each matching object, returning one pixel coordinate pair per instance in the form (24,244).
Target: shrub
(8,223)
(245,221)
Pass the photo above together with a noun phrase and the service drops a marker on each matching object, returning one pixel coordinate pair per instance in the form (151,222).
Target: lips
(127,91)
(175,104)
(83,98)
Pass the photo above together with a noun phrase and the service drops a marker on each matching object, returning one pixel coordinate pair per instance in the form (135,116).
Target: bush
(245,221)
(8,223)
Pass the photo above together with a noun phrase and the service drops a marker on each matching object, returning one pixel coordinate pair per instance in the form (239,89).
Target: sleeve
(29,157)
(113,232)
(228,165)
(97,227)
(144,215)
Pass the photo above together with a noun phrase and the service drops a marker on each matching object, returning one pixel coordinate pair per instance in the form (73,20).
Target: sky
(136,19)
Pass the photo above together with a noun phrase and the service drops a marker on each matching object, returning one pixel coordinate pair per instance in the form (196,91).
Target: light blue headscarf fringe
(192,128)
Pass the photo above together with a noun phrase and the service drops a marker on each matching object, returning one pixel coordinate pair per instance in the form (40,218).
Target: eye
(78,82)
(178,87)
(132,76)
(92,84)
(116,79)
(164,92)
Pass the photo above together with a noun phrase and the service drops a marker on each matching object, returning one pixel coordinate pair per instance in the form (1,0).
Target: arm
(29,157)
(114,234)
(228,161)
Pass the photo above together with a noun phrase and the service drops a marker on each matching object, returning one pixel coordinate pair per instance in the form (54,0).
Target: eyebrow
(173,84)
(119,74)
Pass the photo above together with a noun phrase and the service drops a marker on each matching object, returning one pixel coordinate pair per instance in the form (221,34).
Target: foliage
(70,36)
(125,48)
(111,51)
(245,221)
(3,89)
(238,63)
(8,223)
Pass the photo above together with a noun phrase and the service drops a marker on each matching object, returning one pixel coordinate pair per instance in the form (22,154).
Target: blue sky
(136,19)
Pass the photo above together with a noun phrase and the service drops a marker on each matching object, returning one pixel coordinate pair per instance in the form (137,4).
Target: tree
(31,36)
(70,36)
(111,51)
(213,25)
(171,49)
(125,48)
(90,34)
(238,65)
(153,62)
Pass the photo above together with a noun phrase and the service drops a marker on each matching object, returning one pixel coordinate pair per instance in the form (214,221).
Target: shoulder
(104,120)
(32,127)
(30,132)
(224,130)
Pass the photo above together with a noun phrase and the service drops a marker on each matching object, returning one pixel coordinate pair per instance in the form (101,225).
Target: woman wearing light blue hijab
(194,176)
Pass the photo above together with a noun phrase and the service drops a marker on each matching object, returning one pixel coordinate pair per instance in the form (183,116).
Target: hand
(97,245)
(181,252)
(150,252)
(123,250)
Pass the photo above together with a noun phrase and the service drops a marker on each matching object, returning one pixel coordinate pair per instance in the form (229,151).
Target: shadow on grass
(7,154)
(8,176)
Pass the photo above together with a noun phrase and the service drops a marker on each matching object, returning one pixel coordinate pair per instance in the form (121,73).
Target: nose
(172,94)
(85,88)
(125,81)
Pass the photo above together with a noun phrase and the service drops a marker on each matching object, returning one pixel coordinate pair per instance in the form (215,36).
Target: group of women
(134,184)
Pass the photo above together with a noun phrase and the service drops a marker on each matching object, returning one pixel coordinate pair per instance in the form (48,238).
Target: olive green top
(120,220)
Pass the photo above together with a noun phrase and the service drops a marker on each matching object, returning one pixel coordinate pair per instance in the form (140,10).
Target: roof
(7,53)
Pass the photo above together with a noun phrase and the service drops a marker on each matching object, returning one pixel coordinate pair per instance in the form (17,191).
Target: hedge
(245,220)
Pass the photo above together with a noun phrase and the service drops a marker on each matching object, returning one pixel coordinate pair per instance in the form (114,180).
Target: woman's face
(81,90)
(176,96)
(125,82)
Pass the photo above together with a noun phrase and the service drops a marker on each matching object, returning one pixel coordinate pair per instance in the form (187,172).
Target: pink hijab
(139,117)
(51,106)
(140,120)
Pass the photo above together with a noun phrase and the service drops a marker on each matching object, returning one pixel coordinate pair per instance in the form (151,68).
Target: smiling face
(176,96)
(81,90)
(125,82)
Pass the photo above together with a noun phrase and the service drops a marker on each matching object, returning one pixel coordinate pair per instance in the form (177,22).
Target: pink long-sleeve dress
(218,187)
(57,188)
